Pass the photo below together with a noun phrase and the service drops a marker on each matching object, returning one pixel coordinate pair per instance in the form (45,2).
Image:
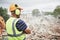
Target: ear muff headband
(17,12)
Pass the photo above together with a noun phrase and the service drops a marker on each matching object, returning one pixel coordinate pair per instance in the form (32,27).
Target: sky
(29,5)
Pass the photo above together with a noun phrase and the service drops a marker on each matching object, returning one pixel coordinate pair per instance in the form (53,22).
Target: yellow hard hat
(14,7)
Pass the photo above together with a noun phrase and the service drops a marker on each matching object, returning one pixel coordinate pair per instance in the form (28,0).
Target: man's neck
(14,16)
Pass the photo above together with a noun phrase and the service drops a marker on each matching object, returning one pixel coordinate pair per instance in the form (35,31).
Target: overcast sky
(29,5)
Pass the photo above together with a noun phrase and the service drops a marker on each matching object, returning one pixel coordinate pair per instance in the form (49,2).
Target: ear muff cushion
(17,12)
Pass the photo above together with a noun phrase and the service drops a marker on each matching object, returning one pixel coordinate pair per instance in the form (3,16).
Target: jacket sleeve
(21,25)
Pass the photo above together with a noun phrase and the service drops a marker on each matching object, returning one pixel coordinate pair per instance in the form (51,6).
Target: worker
(16,28)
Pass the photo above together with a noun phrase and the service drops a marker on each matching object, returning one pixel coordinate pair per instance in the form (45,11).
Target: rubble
(42,27)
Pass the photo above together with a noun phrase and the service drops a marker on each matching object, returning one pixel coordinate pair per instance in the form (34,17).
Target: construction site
(36,19)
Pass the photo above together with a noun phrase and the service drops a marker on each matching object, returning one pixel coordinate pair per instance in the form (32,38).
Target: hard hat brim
(20,8)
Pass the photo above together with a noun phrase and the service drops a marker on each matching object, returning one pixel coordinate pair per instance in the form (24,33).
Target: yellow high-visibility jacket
(13,33)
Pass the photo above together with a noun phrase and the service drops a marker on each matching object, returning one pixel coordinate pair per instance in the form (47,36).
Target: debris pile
(42,27)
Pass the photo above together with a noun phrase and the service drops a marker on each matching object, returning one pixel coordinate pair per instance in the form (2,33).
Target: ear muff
(17,12)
